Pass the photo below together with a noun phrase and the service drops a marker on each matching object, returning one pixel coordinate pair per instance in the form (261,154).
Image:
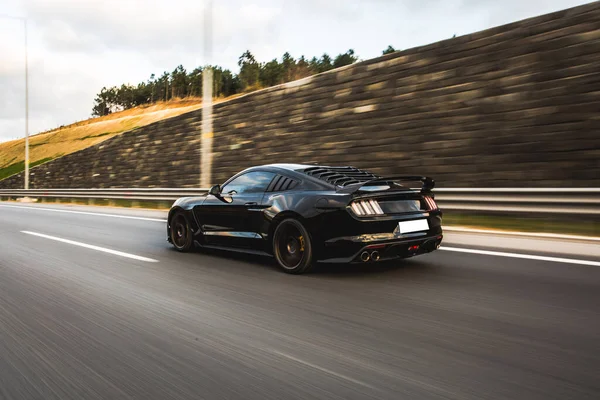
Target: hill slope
(49,145)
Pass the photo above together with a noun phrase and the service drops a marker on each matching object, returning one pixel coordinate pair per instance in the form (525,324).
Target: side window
(282,183)
(252,182)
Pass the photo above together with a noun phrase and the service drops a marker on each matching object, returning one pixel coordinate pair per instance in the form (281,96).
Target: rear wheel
(292,247)
(181,233)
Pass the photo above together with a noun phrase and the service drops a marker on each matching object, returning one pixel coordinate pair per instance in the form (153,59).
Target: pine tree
(252,75)
(249,70)
(389,50)
(345,59)
(325,63)
(271,73)
(288,65)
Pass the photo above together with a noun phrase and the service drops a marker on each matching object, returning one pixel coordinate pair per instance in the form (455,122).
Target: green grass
(18,167)
(567,225)
(155,205)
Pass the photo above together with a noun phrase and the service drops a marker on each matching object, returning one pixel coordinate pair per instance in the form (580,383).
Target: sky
(75,47)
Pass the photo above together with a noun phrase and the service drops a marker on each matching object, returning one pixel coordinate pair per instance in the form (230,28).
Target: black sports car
(301,214)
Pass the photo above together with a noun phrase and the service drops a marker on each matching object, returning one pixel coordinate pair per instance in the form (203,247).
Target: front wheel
(181,233)
(292,247)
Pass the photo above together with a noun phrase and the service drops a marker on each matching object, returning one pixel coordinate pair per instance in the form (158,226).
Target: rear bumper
(359,251)
(347,244)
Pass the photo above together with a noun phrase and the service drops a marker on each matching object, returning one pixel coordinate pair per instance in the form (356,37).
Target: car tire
(292,247)
(181,234)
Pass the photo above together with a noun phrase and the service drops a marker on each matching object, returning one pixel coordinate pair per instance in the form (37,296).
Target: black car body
(327,214)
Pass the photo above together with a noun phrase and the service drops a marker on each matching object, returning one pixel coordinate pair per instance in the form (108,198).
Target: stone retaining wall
(516,105)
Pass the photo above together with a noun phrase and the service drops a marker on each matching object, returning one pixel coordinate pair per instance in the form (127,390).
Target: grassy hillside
(49,145)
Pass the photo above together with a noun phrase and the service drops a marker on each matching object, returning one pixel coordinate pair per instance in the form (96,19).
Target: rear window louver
(281,183)
(340,176)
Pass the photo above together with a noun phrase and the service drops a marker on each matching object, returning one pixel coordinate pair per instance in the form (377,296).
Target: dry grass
(83,134)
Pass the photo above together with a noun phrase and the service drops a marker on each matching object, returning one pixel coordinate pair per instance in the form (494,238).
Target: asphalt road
(80,323)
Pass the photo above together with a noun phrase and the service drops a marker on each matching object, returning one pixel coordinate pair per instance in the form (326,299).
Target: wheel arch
(306,262)
(278,219)
(172,212)
(189,214)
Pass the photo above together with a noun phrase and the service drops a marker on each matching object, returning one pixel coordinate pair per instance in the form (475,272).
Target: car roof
(289,166)
(334,176)
(294,170)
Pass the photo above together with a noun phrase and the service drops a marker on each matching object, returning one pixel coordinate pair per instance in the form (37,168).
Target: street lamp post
(26,110)
(206,140)
(26,99)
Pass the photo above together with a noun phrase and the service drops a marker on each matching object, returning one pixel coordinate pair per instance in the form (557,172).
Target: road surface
(96,307)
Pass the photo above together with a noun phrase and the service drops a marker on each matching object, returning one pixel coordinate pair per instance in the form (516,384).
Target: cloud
(60,36)
(156,27)
(79,46)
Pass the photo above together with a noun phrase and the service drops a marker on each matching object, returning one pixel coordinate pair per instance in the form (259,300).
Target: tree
(179,83)
(345,59)
(101,106)
(249,70)
(230,83)
(314,65)
(271,73)
(302,69)
(217,81)
(152,87)
(142,94)
(162,87)
(288,64)
(194,80)
(325,63)
(389,50)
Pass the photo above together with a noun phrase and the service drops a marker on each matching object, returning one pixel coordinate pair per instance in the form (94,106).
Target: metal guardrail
(139,194)
(521,200)
(511,200)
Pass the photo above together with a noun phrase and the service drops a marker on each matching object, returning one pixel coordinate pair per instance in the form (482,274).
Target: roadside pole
(206,141)
(26,98)
(26,111)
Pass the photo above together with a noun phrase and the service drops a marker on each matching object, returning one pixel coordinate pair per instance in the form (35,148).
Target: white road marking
(527,234)
(86,213)
(91,246)
(523,256)
(455,249)
(328,371)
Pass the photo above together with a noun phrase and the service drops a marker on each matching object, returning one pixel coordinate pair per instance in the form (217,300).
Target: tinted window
(252,182)
(281,183)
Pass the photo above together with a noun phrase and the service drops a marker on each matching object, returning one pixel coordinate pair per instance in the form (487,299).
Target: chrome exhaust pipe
(375,256)
(364,256)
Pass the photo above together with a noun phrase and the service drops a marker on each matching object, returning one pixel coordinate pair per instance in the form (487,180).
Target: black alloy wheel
(181,234)
(292,247)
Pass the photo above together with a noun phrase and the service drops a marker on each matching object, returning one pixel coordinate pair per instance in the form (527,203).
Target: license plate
(413,226)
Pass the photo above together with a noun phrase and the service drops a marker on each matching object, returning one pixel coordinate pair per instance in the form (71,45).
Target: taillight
(430,203)
(366,207)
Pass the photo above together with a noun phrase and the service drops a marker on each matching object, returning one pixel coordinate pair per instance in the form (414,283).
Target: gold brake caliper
(301,243)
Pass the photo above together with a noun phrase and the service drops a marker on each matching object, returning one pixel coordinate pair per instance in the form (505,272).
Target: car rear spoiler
(426,183)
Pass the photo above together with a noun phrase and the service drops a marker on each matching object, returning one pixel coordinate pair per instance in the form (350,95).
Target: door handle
(251,203)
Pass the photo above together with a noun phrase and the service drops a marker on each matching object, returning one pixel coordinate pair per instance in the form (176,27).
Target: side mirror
(215,190)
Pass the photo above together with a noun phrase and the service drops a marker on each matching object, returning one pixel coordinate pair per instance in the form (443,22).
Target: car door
(232,218)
